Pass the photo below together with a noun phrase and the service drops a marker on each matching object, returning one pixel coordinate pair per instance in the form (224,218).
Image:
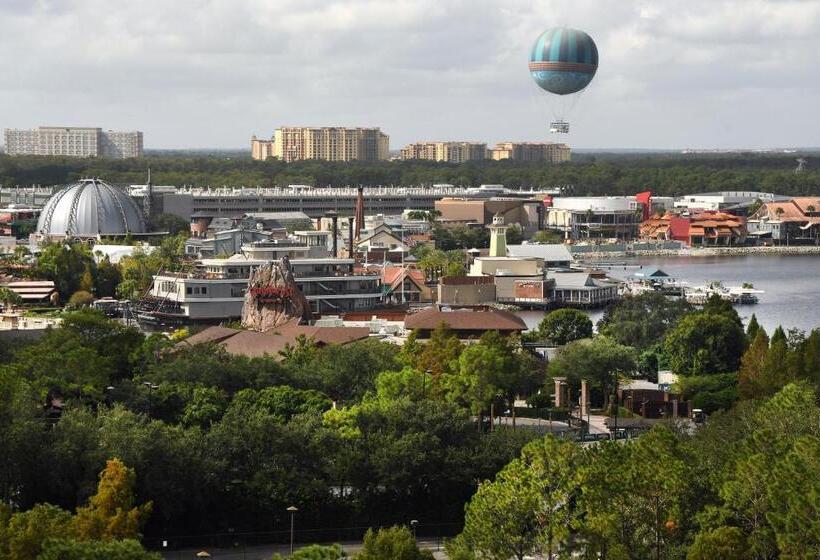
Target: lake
(791,284)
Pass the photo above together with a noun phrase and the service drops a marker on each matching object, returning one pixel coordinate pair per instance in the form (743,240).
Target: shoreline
(699,252)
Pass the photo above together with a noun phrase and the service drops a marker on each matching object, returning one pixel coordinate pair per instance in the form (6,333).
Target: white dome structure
(90,208)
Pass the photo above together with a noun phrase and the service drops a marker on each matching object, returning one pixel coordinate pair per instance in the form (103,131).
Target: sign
(271,294)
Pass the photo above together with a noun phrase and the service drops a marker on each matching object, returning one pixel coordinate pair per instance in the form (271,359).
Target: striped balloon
(563,60)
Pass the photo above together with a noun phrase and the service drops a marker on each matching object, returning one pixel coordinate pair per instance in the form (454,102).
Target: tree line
(663,174)
(370,434)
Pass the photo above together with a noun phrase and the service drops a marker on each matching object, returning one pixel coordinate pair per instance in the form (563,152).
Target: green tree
(501,520)
(563,326)
(636,498)
(65,264)
(394,543)
(23,534)
(601,361)
(794,498)
(441,353)
(207,406)
(547,237)
(642,321)
(87,280)
(705,343)
(752,328)
(282,402)
(171,223)
(80,298)
(750,376)
(108,278)
(726,543)
(407,383)
(530,505)
(66,549)
(10,298)
(315,552)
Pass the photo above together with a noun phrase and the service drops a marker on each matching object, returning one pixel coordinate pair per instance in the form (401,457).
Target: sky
(212,73)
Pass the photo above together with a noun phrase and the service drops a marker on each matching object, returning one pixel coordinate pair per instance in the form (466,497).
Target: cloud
(211,73)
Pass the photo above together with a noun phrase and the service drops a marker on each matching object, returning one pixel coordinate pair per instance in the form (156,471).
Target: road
(267,551)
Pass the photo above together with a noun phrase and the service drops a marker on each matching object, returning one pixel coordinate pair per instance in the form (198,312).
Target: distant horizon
(785,150)
(703,74)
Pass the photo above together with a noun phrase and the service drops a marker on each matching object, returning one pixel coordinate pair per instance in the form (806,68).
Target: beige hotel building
(550,152)
(326,143)
(452,152)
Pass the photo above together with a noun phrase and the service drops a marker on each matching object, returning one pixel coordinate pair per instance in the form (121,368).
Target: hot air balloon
(563,62)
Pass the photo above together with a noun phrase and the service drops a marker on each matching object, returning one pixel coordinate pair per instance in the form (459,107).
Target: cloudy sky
(210,73)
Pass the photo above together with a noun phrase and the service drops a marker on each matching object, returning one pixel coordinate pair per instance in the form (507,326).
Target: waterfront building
(325,143)
(794,221)
(223,243)
(551,255)
(216,289)
(466,290)
(736,202)
(700,229)
(549,152)
(73,142)
(598,217)
(451,152)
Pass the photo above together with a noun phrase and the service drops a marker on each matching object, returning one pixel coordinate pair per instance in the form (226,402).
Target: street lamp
(414,523)
(108,390)
(151,387)
(292,510)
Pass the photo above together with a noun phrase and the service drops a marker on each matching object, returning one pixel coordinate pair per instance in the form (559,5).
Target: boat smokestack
(359,212)
(334,219)
(350,237)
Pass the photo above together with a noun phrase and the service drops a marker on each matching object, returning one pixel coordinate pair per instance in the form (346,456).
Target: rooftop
(257,344)
(465,320)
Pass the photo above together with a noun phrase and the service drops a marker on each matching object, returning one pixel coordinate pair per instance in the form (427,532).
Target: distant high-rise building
(326,143)
(453,152)
(74,142)
(531,151)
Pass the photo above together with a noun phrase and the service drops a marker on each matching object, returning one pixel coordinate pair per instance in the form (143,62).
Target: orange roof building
(405,284)
(707,228)
(790,221)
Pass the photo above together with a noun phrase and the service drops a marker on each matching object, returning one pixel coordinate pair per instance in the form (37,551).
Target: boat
(744,295)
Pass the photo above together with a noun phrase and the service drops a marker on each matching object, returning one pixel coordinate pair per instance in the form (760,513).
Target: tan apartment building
(452,152)
(325,143)
(550,152)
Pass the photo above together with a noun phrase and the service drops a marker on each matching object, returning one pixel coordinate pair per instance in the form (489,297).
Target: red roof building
(707,228)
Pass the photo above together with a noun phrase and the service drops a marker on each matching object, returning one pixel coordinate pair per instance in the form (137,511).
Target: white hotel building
(73,142)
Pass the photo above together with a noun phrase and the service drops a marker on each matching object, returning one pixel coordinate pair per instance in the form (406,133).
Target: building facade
(706,228)
(73,142)
(791,222)
(326,143)
(550,152)
(451,152)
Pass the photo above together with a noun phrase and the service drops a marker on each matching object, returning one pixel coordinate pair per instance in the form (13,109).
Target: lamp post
(292,510)
(414,523)
(108,391)
(151,387)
